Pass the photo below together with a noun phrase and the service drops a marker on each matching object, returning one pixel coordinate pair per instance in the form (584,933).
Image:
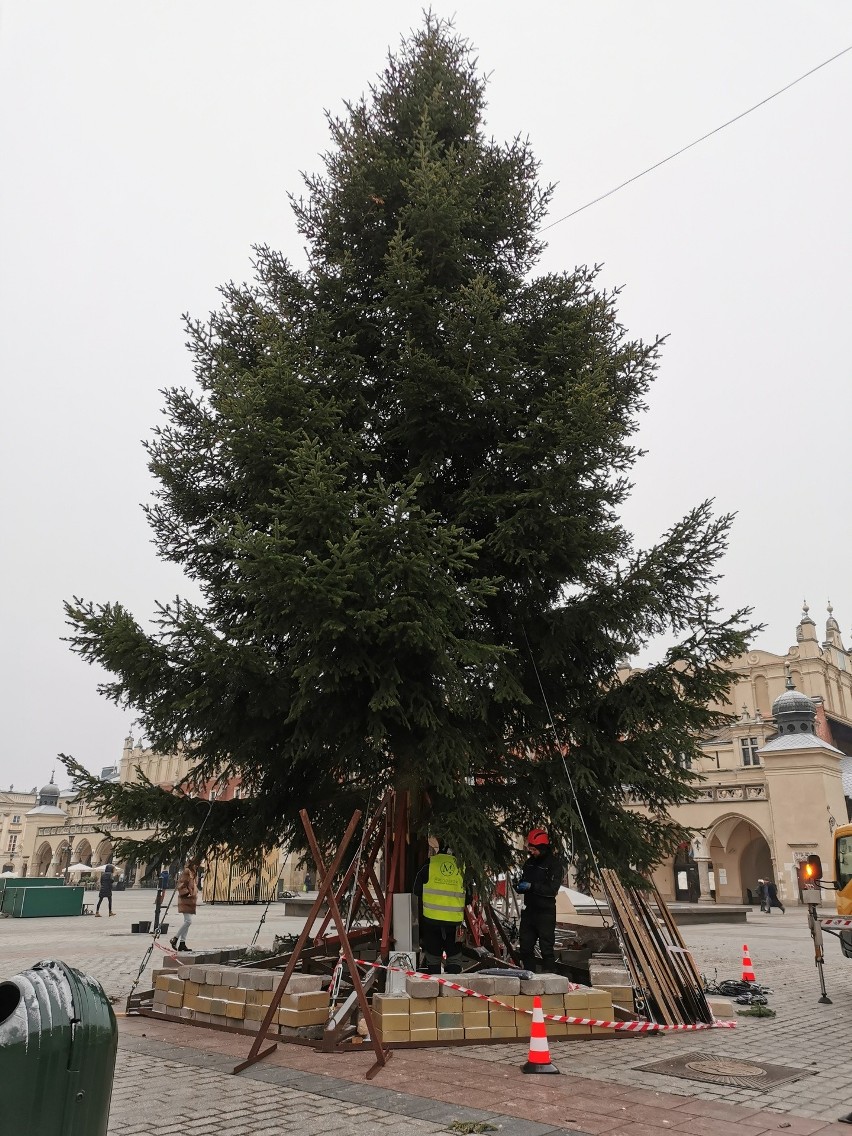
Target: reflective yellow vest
(443,892)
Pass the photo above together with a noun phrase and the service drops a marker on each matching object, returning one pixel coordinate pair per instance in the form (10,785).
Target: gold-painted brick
(450,1005)
(523,1001)
(206,990)
(221,992)
(237,994)
(503,1031)
(475,1021)
(393,1035)
(395,1004)
(552,1003)
(450,1021)
(315,1000)
(578,1031)
(255,1013)
(451,1034)
(501,1018)
(297,1018)
(161,982)
(393,1022)
(476,1031)
(217,1007)
(474,1006)
(174,999)
(418,1021)
(235,1010)
(253,997)
(424,1035)
(574,1003)
(202,1005)
(191,989)
(601,999)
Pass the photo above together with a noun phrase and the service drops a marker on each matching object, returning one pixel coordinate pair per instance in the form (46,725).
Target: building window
(16,819)
(80,810)
(748,748)
(13,842)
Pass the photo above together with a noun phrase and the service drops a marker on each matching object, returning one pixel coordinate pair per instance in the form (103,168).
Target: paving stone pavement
(804,1035)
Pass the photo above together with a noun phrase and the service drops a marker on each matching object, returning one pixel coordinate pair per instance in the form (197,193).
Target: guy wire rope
(625,954)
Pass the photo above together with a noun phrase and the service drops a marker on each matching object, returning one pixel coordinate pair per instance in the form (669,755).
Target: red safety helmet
(538,837)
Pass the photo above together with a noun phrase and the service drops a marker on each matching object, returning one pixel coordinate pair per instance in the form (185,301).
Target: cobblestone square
(172,1079)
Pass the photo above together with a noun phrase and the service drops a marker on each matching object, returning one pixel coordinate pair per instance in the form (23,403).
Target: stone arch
(103,852)
(63,857)
(741,849)
(83,853)
(42,859)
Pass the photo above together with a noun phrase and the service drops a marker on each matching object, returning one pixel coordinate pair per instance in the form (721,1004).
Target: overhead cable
(690,145)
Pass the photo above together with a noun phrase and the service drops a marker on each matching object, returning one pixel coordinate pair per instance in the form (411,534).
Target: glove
(523,885)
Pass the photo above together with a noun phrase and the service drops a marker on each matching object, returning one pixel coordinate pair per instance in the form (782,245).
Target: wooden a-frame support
(326,892)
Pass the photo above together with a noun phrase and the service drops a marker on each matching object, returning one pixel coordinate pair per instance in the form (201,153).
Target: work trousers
(436,938)
(101,898)
(538,926)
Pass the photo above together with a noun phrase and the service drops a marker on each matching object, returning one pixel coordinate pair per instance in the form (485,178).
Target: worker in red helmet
(539,884)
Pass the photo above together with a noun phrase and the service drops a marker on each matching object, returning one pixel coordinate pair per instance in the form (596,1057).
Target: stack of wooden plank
(663,972)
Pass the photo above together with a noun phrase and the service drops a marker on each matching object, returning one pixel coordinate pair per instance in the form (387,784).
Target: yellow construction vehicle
(841,924)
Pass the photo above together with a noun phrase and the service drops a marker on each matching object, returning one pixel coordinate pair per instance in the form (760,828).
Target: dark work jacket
(105,890)
(545,875)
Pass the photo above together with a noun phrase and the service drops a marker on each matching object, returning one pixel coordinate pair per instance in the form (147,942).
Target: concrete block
(553,983)
(304,983)
(481,983)
(530,986)
(251,1024)
(266,979)
(220,1020)
(198,974)
(602,974)
(422,988)
(217,1007)
(721,1008)
(201,1017)
(230,976)
(213,975)
(170,963)
(553,1003)
(185,1013)
(506,986)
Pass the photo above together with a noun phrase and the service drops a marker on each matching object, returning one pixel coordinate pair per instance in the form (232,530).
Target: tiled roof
(797,741)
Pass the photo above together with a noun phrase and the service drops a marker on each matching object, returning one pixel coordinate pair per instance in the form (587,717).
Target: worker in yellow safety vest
(440,887)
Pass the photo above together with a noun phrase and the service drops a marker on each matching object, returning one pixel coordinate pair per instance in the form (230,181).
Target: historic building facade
(774,783)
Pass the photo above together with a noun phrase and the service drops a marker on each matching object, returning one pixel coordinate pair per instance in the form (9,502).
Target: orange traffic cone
(748,969)
(539,1056)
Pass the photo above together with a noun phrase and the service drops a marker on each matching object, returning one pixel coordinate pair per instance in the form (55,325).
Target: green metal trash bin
(58,1040)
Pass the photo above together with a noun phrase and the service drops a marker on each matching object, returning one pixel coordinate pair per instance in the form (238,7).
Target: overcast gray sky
(146,146)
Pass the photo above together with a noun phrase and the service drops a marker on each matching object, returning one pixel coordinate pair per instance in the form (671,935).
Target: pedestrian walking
(439,885)
(761,895)
(772,899)
(105,891)
(187,889)
(539,884)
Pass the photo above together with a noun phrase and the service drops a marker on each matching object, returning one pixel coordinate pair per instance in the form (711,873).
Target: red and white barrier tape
(564,1019)
(166,950)
(835,922)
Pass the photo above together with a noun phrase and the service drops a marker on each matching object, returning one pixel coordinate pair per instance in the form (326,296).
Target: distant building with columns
(774,783)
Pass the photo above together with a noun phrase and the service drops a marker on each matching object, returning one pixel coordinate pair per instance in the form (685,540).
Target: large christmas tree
(396,483)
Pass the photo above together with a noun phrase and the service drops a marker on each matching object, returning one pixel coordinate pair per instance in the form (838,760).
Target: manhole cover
(720,1070)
